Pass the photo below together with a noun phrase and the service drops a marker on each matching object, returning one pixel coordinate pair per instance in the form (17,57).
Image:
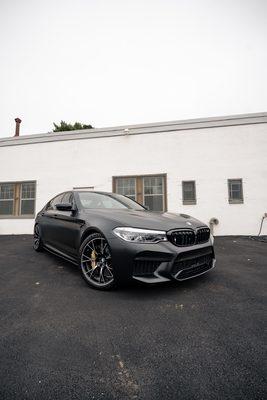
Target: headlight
(137,235)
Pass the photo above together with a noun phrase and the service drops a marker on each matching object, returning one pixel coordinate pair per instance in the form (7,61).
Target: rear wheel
(37,240)
(96,263)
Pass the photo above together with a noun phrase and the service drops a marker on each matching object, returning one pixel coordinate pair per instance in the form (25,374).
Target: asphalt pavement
(200,339)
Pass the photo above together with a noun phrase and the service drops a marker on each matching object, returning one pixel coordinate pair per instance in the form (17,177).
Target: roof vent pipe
(18,121)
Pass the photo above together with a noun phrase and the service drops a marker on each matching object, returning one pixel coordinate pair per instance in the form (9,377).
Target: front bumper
(160,262)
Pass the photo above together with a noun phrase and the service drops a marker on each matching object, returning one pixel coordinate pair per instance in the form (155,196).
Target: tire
(95,263)
(37,240)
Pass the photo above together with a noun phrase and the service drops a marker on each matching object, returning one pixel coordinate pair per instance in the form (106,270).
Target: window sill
(17,216)
(189,203)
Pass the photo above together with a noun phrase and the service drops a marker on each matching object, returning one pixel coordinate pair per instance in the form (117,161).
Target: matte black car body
(63,232)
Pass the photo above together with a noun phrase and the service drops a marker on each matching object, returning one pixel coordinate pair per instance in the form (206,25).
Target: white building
(209,168)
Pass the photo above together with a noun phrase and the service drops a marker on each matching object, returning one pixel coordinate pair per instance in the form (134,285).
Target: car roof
(90,191)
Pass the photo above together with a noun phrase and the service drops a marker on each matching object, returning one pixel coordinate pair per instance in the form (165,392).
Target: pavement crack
(126,379)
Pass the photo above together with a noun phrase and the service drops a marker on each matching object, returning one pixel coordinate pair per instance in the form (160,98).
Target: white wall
(209,156)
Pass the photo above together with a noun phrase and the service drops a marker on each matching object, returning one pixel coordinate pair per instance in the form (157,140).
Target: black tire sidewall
(40,245)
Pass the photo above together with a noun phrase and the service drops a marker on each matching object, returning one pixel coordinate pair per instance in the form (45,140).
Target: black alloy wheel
(95,262)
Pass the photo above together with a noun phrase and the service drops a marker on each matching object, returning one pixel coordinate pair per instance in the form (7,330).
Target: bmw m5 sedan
(114,239)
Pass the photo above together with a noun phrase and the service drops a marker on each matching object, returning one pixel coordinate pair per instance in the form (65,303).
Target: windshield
(103,200)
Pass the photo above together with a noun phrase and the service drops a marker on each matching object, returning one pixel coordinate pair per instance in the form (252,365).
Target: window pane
(153,192)
(189,191)
(27,198)
(155,203)
(67,198)
(236,186)
(57,200)
(28,190)
(6,207)
(235,190)
(126,187)
(7,191)
(27,207)
(236,194)
(153,185)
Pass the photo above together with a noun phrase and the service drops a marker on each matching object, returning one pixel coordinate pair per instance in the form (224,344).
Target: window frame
(17,200)
(114,185)
(193,201)
(157,194)
(48,207)
(230,199)
(139,187)
(9,199)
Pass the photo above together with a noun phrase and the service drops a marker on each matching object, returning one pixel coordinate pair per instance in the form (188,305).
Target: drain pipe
(264,216)
(213,221)
(18,121)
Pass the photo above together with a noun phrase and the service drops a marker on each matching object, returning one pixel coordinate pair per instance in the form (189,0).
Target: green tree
(64,126)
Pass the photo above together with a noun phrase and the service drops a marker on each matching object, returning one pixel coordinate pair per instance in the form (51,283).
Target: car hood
(145,219)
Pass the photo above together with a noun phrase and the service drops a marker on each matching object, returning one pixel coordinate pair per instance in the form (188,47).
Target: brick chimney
(18,121)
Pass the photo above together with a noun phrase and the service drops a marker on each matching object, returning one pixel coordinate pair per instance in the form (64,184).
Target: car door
(67,227)
(48,222)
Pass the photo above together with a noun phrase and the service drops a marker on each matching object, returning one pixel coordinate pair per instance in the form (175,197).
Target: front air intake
(145,268)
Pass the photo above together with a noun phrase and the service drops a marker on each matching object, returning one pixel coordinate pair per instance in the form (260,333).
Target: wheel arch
(90,231)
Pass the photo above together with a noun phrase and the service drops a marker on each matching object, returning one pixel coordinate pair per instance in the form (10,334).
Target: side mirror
(64,207)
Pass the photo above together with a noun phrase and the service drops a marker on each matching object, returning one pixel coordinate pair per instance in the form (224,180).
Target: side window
(67,198)
(52,204)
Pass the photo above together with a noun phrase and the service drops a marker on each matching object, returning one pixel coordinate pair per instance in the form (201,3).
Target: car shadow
(151,289)
(135,287)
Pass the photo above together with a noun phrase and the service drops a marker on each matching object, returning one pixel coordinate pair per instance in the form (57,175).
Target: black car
(113,239)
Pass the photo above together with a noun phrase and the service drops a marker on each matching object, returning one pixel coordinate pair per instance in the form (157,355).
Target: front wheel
(96,263)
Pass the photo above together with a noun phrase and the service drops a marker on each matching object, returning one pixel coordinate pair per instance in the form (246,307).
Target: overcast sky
(115,62)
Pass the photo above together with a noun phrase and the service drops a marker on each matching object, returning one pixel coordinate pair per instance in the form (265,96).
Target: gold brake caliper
(93,259)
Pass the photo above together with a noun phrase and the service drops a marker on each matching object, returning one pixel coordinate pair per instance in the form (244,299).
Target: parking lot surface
(200,339)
